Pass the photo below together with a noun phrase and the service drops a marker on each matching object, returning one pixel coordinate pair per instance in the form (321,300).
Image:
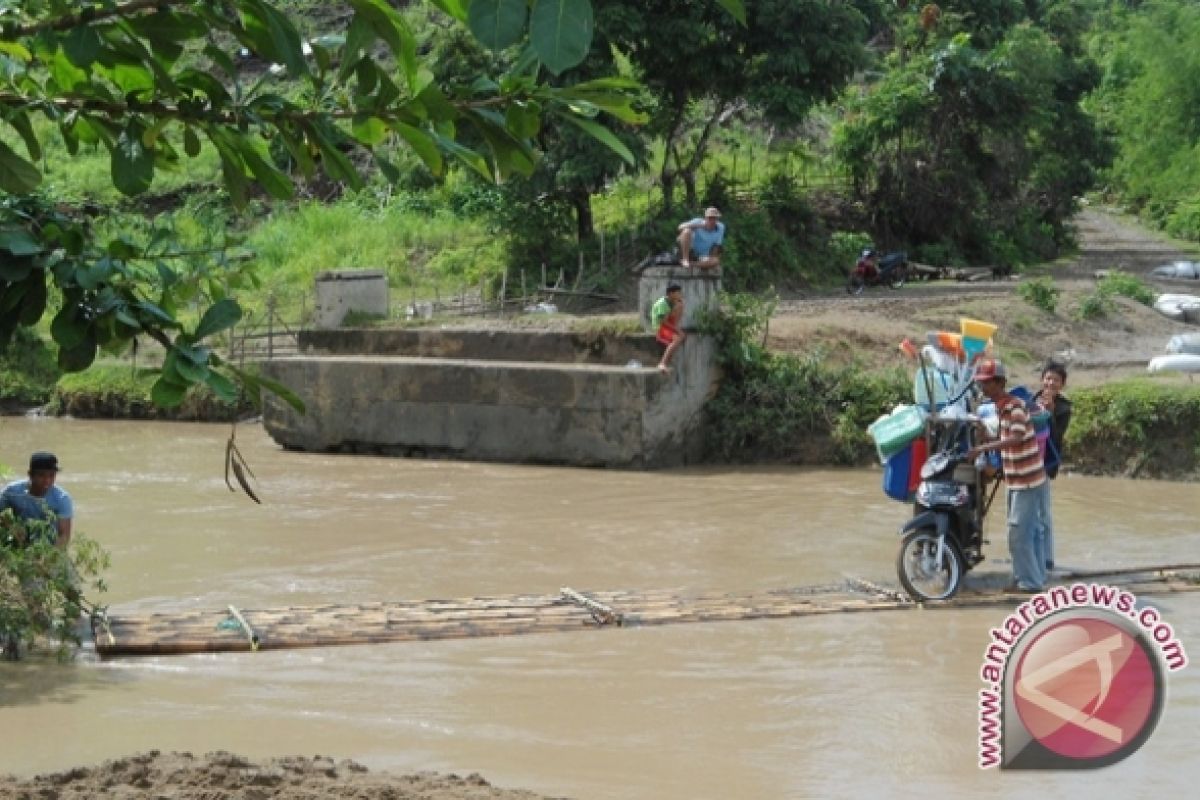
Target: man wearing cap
(701,239)
(37,498)
(1023,474)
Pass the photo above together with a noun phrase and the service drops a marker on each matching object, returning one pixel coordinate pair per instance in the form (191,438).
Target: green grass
(421,253)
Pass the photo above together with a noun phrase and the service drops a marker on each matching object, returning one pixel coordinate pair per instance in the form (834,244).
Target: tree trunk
(585,223)
(689,185)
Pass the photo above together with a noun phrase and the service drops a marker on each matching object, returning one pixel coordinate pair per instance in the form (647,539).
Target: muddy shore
(224,776)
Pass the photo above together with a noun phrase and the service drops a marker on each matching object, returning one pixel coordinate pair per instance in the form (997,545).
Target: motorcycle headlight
(942,493)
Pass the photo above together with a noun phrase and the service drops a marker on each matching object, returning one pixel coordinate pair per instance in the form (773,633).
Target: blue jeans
(1046,529)
(1025,520)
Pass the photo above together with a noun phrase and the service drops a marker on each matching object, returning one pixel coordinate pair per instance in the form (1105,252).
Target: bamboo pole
(197,631)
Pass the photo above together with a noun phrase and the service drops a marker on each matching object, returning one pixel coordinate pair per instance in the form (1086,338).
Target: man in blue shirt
(37,498)
(701,240)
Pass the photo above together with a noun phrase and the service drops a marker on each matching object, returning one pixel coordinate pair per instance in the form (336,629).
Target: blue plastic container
(895,473)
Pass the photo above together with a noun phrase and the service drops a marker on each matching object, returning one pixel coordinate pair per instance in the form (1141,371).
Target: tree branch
(89,15)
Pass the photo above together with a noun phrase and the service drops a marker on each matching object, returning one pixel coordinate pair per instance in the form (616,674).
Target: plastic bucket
(896,471)
(894,432)
(976,329)
(920,454)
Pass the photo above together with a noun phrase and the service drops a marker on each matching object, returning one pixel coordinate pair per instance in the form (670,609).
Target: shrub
(1184,221)
(1040,292)
(120,391)
(41,586)
(1126,285)
(788,407)
(1096,305)
(27,370)
(1137,428)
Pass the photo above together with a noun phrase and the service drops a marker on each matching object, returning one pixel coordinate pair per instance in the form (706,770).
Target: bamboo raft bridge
(238,630)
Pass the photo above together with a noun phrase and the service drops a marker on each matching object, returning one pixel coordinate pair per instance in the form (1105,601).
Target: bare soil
(224,776)
(868,328)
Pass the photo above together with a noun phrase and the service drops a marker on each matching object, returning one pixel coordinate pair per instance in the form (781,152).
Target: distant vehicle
(873,270)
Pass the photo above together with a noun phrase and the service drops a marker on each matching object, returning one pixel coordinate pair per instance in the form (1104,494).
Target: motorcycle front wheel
(922,574)
(898,278)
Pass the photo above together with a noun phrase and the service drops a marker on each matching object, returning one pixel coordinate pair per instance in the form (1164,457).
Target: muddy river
(874,704)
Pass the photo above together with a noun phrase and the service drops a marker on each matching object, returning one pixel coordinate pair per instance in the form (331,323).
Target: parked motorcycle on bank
(873,270)
(944,538)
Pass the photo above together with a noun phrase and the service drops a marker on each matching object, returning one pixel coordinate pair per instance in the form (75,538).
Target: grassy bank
(1136,428)
(119,391)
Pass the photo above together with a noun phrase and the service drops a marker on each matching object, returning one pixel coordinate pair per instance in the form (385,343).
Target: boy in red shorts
(666,316)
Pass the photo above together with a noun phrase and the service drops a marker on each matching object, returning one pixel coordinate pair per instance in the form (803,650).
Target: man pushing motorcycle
(1024,475)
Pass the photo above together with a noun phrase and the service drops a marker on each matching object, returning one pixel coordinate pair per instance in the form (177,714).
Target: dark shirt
(1060,420)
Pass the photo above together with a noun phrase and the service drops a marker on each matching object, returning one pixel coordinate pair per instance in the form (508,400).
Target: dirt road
(868,328)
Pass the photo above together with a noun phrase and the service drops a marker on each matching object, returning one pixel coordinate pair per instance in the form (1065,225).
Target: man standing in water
(1023,474)
(37,498)
(701,240)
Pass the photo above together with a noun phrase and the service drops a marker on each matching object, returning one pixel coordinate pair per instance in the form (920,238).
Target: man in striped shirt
(1023,472)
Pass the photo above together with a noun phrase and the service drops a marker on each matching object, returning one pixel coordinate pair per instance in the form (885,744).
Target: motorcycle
(892,270)
(944,538)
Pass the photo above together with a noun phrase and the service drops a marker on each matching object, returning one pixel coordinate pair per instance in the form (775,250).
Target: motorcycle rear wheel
(897,278)
(920,575)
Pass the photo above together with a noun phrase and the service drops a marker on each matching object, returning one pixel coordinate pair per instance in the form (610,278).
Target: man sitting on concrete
(701,240)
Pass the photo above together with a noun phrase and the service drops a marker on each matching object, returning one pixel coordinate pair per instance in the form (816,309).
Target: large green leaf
(65,74)
(191,143)
(274,36)
(79,356)
(275,182)
(222,387)
(369,130)
(67,329)
(422,144)
(337,166)
(82,45)
(16,50)
(132,163)
(19,242)
(255,384)
(497,23)
(34,304)
(20,121)
(15,269)
(219,316)
(17,176)
(467,156)
(391,27)
(735,8)
(561,32)
(603,135)
(455,8)
(166,394)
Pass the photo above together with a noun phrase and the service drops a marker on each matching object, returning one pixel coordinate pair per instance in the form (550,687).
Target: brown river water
(871,704)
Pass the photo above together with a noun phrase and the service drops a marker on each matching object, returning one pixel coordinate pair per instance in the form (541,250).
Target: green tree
(701,69)
(151,80)
(974,135)
(1149,98)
